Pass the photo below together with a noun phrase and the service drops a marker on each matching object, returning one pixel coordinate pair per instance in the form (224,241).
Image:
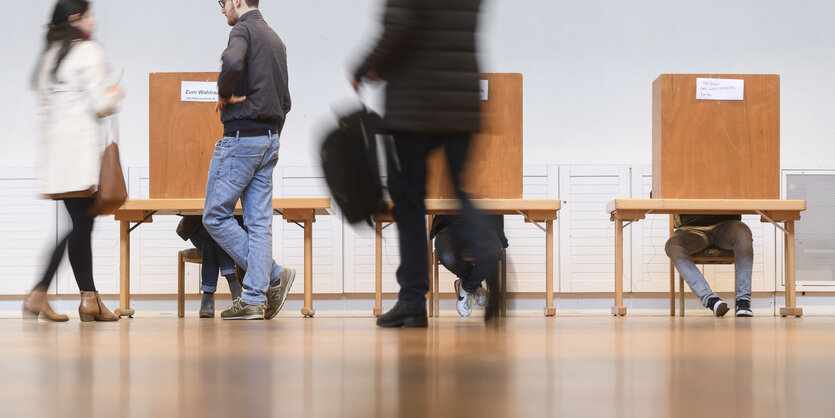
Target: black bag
(349,160)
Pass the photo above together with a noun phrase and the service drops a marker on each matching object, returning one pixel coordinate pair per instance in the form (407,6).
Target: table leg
(378,268)
(124,269)
(618,309)
(549,269)
(503,282)
(307,310)
(790,309)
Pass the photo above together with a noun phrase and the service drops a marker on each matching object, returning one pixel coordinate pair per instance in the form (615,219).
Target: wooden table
(770,210)
(301,211)
(533,210)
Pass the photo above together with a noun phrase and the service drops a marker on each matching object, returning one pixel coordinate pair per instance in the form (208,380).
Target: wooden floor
(334,367)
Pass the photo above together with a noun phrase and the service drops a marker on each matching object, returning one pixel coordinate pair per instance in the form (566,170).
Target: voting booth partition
(494,166)
(182,136)
(715,150)
(716,136)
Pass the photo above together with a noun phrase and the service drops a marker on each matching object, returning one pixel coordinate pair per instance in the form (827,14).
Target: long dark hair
(60,31)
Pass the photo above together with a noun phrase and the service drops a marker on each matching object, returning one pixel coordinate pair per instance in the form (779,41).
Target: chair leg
(436,291)
(180,285)
(681,295)
(433,274)
(672,290)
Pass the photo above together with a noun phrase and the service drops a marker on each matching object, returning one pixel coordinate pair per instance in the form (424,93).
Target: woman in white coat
(73,97)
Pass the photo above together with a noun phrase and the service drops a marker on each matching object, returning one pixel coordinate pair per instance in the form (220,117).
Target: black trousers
(78,242)
(450,246)
(409,213)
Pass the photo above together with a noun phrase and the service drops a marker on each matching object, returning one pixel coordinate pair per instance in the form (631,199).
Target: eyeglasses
(222,3)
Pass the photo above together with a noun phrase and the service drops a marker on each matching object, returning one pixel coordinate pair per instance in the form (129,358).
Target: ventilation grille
(815,232)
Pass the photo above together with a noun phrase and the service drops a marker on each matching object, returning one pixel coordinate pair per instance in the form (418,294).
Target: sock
(234,286)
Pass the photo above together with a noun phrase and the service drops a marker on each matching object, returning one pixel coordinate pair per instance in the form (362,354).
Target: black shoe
(743,308)
(403,316)
(207,305)
(718,306)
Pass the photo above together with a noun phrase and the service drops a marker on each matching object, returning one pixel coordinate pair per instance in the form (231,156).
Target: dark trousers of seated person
(457,258)
(410,213)
(214,259)
(727,235)
(78,242)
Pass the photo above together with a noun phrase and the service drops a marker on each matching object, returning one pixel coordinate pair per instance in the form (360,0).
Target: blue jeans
(242,168)
(728,235)
(214,259)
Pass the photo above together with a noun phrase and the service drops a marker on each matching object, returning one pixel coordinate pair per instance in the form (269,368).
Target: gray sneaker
(481,296)
(277,293)
(243,310)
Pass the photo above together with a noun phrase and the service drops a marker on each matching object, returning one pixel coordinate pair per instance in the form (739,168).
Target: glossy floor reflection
(335,367)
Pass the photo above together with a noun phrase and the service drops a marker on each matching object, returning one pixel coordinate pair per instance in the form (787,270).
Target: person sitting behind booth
(449,246)
(694,233)
(214,259)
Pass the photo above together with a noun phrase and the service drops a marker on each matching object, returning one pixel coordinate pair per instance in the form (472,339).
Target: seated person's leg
(679,247)
(208,279)
(450,254)
(497,247)
(227,270)
(736,236)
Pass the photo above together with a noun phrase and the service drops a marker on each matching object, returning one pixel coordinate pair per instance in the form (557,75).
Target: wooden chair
(434,296)
(191,255)
(710,255)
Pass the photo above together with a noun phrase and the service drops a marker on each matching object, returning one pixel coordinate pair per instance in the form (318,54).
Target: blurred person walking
(427,56)
(73,98)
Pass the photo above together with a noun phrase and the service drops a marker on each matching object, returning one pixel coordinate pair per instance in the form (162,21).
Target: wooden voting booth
(182,137)
(715,149)
(183,134)
(494,168)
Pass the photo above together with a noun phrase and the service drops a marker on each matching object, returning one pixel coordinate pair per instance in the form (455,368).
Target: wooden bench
(774,211)
(535,211)
(301,211)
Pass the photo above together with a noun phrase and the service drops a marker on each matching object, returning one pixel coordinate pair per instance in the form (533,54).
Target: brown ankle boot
(92,308)
(36,304)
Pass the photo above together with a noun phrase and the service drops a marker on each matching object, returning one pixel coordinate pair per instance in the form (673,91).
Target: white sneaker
(481,296)
(464,304)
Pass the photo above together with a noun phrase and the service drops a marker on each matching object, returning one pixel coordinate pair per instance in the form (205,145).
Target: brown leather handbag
(112,191)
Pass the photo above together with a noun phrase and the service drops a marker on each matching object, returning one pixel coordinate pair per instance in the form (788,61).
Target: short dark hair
(252,3)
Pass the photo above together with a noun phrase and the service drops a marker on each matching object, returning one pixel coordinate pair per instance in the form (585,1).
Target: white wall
(588,66)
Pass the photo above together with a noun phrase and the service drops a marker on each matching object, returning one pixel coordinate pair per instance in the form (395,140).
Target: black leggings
(78,241)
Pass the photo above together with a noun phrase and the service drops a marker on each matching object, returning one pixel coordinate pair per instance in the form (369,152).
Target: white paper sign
(484,85)
(198,91)
(719,89)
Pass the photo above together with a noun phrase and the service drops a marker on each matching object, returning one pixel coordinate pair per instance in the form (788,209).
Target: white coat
(70,110)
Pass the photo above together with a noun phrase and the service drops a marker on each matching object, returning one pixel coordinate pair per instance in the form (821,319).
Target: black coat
(427,55)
